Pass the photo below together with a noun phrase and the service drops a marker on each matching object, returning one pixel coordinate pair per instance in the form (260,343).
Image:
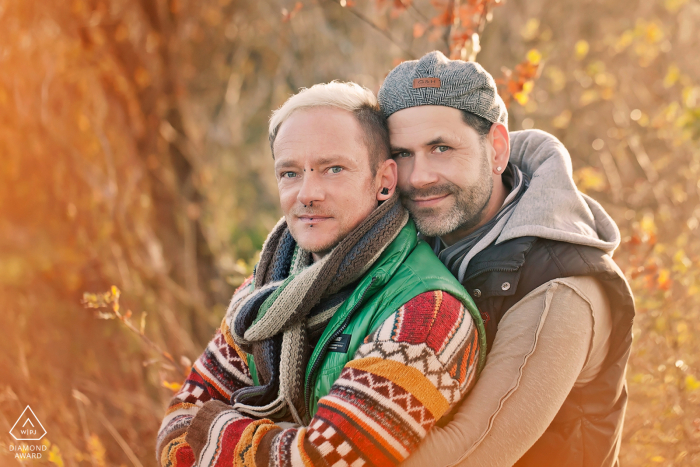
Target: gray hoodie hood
(552,207)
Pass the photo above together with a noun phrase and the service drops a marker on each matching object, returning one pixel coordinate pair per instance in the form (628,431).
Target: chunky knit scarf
(292,302)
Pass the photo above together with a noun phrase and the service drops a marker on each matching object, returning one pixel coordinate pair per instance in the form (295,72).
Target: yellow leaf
(532,26)
(589,178)
(658,459)
(97,450)
(581,49)
(681,263)
(174,387)
(521,97)
(55,456)
(557,77)
(589,96)
(647,224)
(691,383)
(660,324)
(624,41)
(653,33)
(534,56)
(562,120)
(672,76)
(54,453)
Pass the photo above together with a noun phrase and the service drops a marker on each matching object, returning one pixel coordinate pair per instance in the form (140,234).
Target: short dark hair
(375,131)
(479,124)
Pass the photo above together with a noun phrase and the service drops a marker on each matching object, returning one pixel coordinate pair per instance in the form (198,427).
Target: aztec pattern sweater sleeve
(405,377)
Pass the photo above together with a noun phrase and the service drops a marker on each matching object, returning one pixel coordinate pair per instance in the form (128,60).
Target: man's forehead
(424,114)
(319,136)
(428,131)
(317,125)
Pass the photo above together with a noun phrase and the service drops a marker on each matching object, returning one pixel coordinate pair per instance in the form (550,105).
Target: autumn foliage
(136,186)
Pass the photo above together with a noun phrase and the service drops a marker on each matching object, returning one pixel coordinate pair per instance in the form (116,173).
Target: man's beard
(466,212)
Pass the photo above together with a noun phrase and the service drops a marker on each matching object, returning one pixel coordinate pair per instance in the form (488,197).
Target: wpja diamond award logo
(28,428)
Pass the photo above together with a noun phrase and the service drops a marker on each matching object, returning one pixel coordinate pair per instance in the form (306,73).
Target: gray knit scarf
(456,257)
(292,302)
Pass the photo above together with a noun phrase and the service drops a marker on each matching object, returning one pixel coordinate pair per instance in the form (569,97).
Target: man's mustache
(432,191)
(310,212)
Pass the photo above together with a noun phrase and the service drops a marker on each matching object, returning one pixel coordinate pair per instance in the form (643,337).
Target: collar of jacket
(507,259)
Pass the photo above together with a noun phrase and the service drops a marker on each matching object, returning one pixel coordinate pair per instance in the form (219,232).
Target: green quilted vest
(406,269)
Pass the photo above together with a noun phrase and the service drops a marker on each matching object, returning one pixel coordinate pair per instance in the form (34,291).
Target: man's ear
(500,143)
(387,176)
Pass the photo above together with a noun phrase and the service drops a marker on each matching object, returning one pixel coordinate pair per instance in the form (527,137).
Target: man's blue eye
(336,169)
(402,155)
(289,174)
(442,148)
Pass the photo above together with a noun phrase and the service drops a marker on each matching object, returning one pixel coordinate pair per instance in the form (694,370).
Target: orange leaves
(446,15)
(644,262)
(517,84)
(471,12)
(418,30)
(664,279)
(397,6)
(456,23)
(287,15)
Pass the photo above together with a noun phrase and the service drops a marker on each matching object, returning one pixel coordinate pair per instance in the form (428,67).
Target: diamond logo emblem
(28,427)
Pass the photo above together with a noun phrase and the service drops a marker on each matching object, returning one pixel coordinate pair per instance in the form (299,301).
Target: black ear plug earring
(385,191)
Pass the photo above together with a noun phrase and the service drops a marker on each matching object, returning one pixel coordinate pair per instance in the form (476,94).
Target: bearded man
(503,214)
(351,339)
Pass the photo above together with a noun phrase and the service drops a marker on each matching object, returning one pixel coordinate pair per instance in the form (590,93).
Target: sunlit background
(134,154)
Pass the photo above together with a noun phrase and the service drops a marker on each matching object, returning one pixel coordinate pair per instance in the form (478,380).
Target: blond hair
(347,96)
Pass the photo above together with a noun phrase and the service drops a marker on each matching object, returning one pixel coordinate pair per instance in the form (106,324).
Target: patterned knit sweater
(404,377)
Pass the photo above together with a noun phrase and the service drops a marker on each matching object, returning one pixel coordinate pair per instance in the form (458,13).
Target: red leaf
(418,29)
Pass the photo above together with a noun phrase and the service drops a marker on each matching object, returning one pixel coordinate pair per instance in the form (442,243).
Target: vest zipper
(312,378)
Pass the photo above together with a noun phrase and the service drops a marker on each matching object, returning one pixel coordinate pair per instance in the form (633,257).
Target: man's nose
(422,172)
(311,190)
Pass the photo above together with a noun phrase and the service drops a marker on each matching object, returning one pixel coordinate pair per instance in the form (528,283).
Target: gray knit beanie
(437,80)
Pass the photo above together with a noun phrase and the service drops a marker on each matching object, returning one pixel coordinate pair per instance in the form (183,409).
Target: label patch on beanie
(426,83)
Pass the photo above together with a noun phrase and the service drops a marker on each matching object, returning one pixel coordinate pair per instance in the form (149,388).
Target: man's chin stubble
(432,224)
(321,249)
